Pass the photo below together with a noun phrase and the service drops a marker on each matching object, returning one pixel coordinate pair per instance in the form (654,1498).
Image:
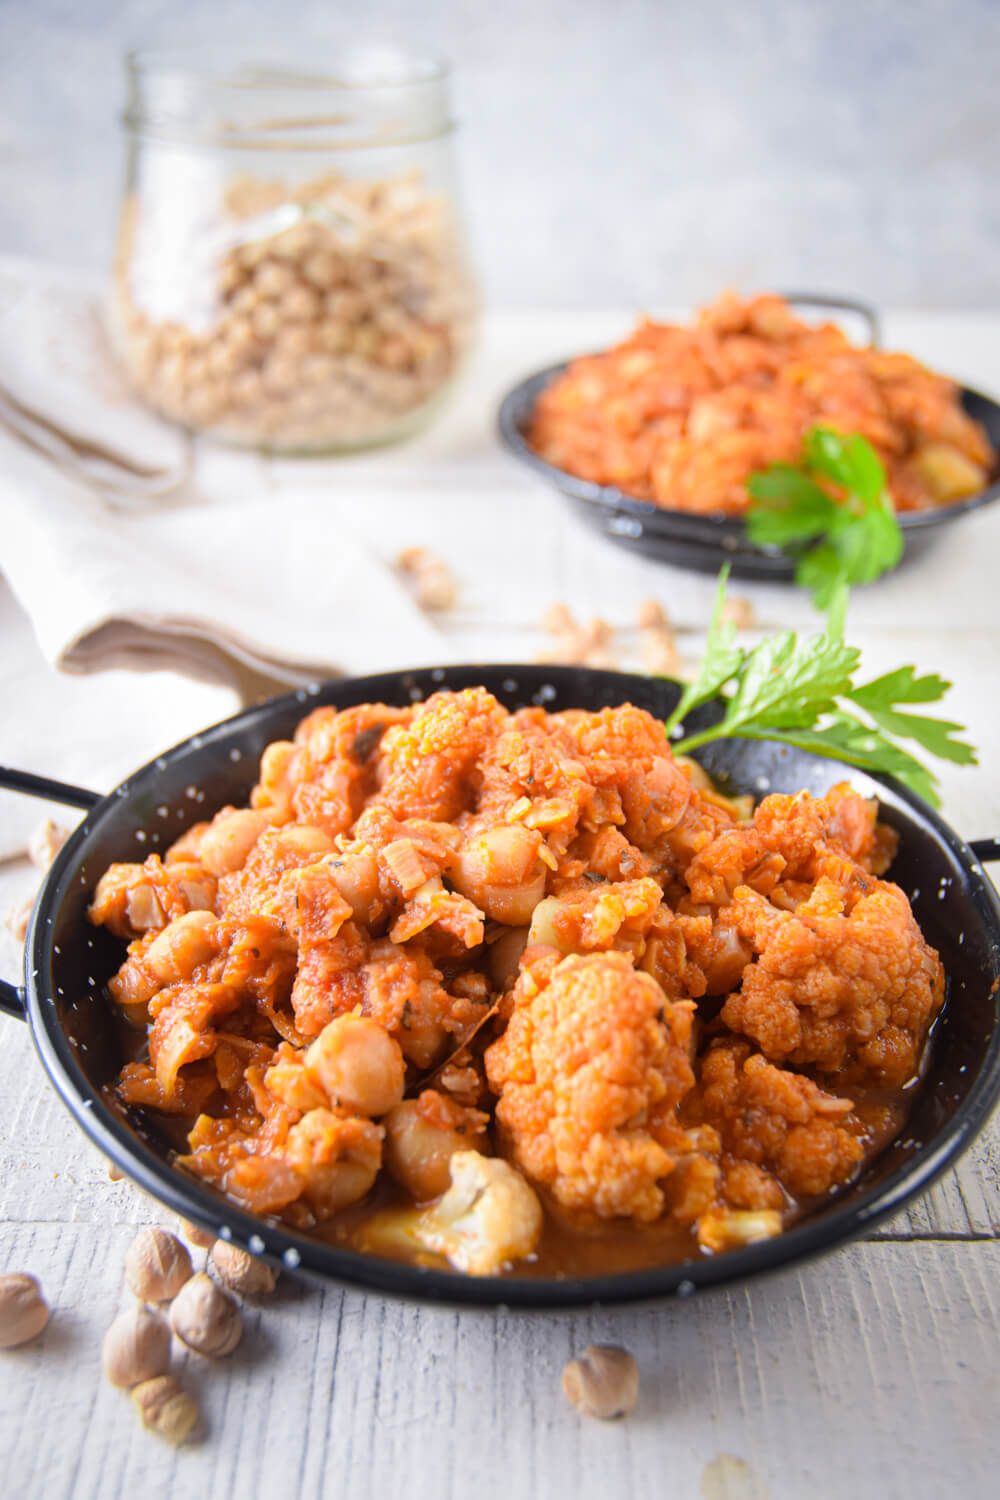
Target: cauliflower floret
(780,1122)
(487,1218)
(791,843)
(590,1072)
(428,767)
(838,983)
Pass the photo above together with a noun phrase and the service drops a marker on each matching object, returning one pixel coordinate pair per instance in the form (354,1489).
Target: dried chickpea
(166,1409)
(603,1382)
(651,614)
(157,1265)
(206,1318)
(202,1239)
(45,843)
(240,1271)
(16,919)
(739,610)
(23,1310)
(136,1347)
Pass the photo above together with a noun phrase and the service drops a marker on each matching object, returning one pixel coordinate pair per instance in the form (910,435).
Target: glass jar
(290,269)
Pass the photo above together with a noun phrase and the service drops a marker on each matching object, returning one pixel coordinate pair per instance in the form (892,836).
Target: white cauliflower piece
(487,1218)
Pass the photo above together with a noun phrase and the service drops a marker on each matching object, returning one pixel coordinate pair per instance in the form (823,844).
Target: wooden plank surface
(870,1373)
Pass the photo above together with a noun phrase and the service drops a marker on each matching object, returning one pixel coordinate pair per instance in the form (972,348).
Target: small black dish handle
(12,999)
(863,310)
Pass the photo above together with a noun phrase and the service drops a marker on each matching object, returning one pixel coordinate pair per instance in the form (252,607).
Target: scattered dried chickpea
(157,1265)
(23,1310)
(434,582)
(558,620)
(166,1409)
(206,1318)
(658,651)
(202,1239)
(16,918)
(578,645)
(652,614)
(241,1271)
(603,1382)
(45,843)
(136,1347)
(739,610)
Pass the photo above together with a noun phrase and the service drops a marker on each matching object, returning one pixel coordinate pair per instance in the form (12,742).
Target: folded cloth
(62,392)
(264,594)
(92,732)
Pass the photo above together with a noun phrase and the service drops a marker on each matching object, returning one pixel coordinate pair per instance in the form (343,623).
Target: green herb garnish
(848,536)
(801,691)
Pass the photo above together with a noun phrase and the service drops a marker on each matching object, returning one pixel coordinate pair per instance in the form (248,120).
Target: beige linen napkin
(269,593)
(263,594)
(62,393)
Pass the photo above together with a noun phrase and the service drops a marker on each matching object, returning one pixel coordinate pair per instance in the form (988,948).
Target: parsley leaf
(836,501)
(720,662)
(800,691)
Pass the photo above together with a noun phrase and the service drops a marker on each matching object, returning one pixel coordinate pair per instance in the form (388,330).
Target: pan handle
(48,790)
(987,851)
(12,1000)
(862,310)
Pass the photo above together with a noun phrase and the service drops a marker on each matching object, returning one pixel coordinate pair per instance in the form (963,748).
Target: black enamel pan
(705,542)
(67,963)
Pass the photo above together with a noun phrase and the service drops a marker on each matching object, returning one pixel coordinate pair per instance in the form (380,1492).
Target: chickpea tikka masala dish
(521,991)
(682,416)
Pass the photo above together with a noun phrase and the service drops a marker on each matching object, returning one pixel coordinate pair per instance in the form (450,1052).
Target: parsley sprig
(801,691)
(833,513)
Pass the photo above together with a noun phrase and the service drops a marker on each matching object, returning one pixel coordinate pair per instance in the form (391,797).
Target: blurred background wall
(615,151)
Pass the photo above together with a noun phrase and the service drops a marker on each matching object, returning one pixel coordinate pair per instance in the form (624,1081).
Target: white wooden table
(872,1373)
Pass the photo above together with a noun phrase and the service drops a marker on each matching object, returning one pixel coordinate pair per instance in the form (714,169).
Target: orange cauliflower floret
(429,767)
(626,753)
(838,983)
(589,1074)
(776,1121)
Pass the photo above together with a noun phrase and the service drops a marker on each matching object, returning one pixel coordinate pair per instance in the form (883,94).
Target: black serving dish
(67,963)
(705,542)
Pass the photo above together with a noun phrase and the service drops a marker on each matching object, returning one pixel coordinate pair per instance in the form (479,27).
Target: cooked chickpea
(418,1151)
(504,956)
(182,946)
(356,878)
(136,1347)
(339,1158)
(23,1310)
(501,870)
(157,1265)
(603,1382)
(206,1318)
(229,838)
(358,1065)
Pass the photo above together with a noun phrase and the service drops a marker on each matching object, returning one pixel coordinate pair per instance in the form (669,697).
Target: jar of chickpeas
(291,270)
